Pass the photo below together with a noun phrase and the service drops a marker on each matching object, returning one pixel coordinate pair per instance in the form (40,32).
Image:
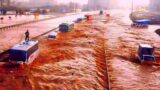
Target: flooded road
(126,72)
(20,19)
(16,34)
(78,60)
(73,61)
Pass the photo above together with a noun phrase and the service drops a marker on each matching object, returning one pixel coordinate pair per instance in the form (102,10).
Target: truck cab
(146,53)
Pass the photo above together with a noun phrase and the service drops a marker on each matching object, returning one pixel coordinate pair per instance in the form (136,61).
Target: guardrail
(36,37)
(4,55)
(33,21)
(29,22)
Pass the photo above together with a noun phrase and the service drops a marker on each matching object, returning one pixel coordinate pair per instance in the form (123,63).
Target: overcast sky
(65,1)
(136,2)
(79,1)
(121,2)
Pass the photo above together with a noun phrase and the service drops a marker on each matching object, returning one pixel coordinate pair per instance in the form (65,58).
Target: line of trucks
(28,52)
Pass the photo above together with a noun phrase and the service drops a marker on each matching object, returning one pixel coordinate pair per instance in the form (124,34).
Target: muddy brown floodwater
(77,60)
(126,73)
(73,61)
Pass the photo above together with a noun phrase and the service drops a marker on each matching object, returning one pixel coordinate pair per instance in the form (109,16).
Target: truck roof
(23,46)
(145,20)
(145,46)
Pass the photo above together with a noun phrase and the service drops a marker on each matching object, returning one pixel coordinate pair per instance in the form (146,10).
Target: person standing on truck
(27,36)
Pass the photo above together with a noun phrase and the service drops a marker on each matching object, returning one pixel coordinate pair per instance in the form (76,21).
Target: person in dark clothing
(101,12)
(27,36)
(10,17)
(2,18)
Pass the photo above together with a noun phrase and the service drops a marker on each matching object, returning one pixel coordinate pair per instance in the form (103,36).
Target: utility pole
(75,7)
(132,6)
(1,3)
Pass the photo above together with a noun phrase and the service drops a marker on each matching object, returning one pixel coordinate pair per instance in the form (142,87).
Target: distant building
(5,3)
(97,4)
(38,3)
(154,5)
(117,4)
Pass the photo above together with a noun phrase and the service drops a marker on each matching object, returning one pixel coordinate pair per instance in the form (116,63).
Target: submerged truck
(66,27)
(146,53)
(25,52)
(52,35)
(141,23)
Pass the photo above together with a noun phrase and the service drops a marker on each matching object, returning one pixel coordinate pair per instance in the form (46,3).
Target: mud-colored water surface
(73,61)
(79,60)
(126,72)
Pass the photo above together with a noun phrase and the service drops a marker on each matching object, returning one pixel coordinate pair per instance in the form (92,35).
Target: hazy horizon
(61,1)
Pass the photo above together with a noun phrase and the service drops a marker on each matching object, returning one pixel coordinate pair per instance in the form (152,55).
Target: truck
(24,52)
(146,53)
(141,23)
(52,35)
(66,27)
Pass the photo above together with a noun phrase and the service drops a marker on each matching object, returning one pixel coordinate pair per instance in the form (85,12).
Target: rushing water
(77,60)
(73,61)
(126,72)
